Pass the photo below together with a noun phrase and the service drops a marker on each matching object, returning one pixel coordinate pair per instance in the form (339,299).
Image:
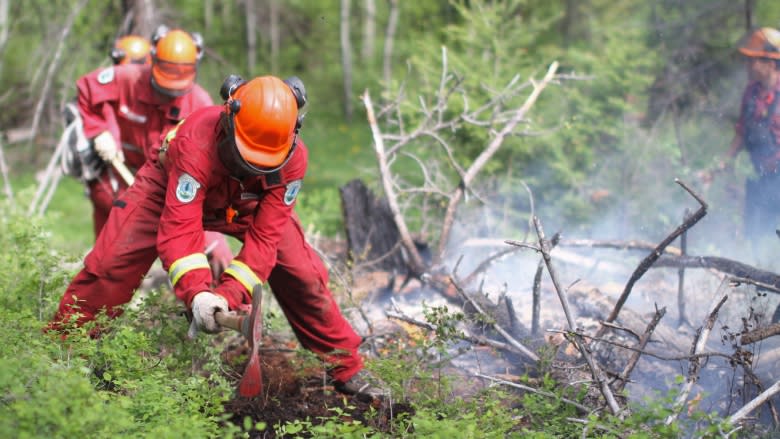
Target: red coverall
(121,100)
(165,212)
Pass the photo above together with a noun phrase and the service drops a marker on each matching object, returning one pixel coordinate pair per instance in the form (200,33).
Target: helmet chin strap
(231,158)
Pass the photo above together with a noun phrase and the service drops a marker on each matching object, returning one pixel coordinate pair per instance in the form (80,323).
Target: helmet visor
(175,77)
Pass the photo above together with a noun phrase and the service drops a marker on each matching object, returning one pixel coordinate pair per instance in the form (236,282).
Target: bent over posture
(235,169)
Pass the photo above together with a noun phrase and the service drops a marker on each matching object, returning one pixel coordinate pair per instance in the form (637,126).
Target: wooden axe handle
(125,173)
(232,321)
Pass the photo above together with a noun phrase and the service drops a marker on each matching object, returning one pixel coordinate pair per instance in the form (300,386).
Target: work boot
(364,385)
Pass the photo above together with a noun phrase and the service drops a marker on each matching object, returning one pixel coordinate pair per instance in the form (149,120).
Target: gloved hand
(107,148)
(204,305)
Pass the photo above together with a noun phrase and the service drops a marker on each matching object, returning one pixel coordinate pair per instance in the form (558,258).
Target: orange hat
(175,62)
(265,113)
(762,43)
(131,49)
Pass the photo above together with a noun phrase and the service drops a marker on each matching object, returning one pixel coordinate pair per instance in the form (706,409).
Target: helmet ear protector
(117,55)
(228,151)
(163,30)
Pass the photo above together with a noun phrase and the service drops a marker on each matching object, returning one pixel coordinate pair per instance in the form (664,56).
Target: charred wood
(373,239)
(763,279)
(760,334)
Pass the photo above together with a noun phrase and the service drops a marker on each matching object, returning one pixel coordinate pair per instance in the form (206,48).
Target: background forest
(652,89)
(645,92)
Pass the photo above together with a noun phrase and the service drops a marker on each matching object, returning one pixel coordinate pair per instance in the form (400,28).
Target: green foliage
(124,384)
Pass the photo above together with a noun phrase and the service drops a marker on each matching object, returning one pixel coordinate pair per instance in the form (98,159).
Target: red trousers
(103,191)
(126,248)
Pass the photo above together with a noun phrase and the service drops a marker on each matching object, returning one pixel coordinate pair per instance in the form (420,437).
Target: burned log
(763,279)
(373,239)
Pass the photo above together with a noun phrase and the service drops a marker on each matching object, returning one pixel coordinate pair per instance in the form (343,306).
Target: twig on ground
(524,350)
(577,405)
(479,340)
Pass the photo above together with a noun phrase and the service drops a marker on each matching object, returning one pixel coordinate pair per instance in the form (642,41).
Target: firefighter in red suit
(235,169)
(133,105)
(758,132)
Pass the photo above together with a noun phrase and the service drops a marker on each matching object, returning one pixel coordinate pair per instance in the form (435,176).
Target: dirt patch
(294,392)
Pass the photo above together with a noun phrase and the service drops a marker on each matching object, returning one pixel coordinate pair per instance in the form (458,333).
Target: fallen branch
(416,263)
(656,253)
(752,405)
(618,245)
(624,376)
(577,405)
(760,334)
(699,342)
(596,371)
(478,340)
(524,350)
(742,273)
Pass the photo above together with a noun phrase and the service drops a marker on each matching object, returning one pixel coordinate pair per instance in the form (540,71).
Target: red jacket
(199,194)
(121,100)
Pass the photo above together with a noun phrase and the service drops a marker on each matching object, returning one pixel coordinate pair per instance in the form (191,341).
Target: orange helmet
(131,49)
(262,117)
(175,57)
(762,43)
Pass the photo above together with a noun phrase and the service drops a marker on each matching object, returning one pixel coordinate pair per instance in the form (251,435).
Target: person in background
(237,169)
(131,49)
(758,132)
(127,108)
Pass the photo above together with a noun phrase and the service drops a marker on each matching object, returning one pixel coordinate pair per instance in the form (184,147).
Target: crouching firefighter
(236,169)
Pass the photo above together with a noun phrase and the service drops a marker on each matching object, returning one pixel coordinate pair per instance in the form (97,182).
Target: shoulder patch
(291,193)
(106,76)
(187,188)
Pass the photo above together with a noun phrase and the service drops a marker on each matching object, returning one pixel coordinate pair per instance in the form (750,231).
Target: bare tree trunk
(273,17)
(4,25)
(748,14)
(369,30)
(251,36)
(54,66)
(9,192)
(387,55)
(208,11)
(346,58)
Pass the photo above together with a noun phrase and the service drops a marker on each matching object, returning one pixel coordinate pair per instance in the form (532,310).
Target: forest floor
(295,394)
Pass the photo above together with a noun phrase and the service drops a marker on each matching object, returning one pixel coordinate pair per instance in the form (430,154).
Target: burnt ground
(294,391)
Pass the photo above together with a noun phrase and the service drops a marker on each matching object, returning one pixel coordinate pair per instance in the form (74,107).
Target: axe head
(252,382)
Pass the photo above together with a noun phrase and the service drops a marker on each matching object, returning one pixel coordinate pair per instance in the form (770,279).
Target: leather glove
(106,147)
(204,306)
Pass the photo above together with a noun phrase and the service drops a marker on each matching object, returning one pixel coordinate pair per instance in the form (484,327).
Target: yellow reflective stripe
(243,274)
(186,264)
